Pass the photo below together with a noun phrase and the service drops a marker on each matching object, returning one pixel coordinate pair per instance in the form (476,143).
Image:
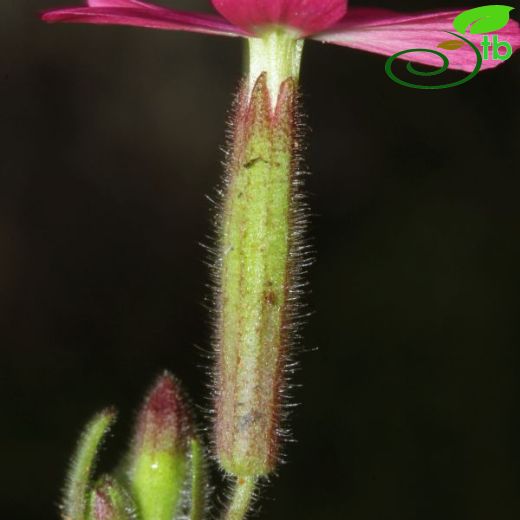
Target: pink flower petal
(142,14)
(120,3)
(305,16)
(386,32)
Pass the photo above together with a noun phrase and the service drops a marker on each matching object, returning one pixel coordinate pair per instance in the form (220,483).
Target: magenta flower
(371,29)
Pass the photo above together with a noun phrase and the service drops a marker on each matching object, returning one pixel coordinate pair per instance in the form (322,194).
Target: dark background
(109,143)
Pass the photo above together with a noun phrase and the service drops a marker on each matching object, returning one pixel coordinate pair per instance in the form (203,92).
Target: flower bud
(159,454)
(109,501)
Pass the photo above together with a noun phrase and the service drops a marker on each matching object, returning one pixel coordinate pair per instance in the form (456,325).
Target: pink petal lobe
(385,32)
(305,16)
(141,14)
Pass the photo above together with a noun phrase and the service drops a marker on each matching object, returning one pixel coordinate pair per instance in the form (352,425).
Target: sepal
(80,475)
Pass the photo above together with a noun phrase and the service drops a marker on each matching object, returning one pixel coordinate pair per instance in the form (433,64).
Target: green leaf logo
(483,19)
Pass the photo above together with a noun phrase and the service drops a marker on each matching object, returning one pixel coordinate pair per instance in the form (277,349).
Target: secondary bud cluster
(164,477)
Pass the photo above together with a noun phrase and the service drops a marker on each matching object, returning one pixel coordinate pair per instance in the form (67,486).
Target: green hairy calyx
(258,234)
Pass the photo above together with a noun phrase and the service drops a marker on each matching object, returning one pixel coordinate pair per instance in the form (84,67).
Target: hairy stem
(241,499)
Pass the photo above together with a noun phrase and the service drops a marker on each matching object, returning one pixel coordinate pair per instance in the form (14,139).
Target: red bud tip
(102,507)
(164,422)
